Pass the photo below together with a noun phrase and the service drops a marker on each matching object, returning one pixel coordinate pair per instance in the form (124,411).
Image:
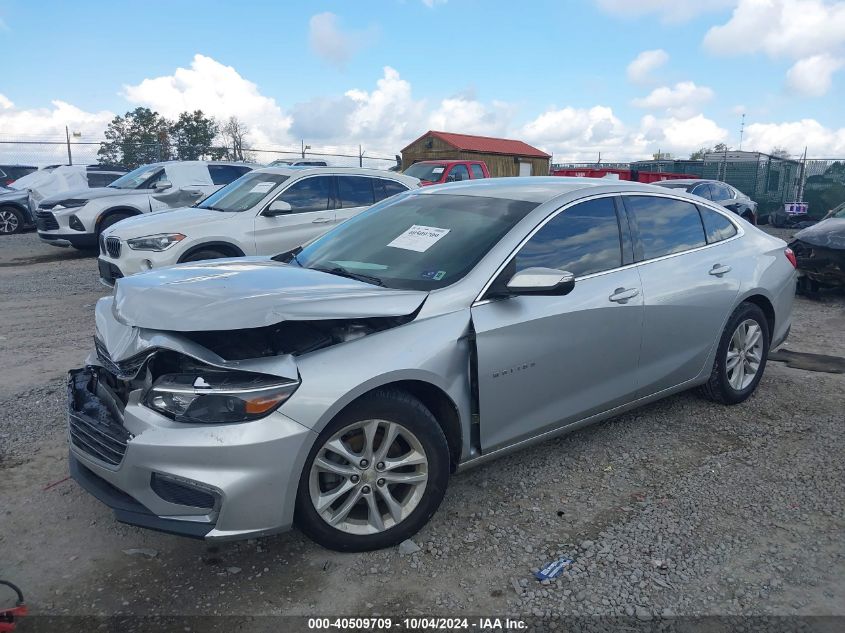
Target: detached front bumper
(218,482)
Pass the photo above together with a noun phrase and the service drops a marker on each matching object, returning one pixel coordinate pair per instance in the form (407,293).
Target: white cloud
(5,103)
(812,76)
(810,31)
(470,116)
(641,68)
(577,133)
(794,136)
(218,90)
(680,136)
(49,123)
(669,11)
(681,100)
(331,43)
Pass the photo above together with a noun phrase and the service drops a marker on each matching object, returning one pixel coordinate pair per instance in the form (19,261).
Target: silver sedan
(339,385)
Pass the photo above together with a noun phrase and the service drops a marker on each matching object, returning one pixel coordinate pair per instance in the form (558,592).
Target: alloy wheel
(368,477)
(745,353)
(8,222)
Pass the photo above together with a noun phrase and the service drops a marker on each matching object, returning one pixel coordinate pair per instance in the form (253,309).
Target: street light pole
(69,157)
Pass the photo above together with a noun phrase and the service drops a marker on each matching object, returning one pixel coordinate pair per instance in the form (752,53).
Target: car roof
(537,189)
(443,161)
(689,181)
(305,170)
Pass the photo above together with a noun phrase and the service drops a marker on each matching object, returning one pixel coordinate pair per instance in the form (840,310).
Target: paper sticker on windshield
(437,170)
(435,275)
(262,187)
(419,238)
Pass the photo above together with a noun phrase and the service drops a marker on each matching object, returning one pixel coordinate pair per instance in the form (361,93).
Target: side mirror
(541,281)
(161,185)
(277,207)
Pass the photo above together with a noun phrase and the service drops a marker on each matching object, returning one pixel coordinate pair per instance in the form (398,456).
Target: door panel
(546,361)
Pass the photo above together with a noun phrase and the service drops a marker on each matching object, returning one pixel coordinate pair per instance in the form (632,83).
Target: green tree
(193,136)
(699,154)
(139,137)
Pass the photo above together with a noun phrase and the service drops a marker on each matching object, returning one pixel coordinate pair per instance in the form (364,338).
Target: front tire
(11,221)
(741,356)
(203,255)
(376,474)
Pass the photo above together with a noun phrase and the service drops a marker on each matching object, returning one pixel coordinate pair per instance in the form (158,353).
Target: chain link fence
(79,151)
(771,181)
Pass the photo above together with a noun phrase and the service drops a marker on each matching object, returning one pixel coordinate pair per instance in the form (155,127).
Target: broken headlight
(217,397)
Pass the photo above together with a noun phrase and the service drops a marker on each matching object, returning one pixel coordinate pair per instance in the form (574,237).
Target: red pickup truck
(435,172)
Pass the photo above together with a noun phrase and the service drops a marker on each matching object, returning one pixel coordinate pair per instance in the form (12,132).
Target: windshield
(137,178)
(243,193)
(416,242)
(426,171)
(840,213)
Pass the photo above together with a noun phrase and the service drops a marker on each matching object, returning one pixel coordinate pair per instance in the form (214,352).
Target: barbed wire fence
(82,151)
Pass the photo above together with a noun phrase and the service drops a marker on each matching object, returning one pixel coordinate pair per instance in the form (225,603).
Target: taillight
(790,255)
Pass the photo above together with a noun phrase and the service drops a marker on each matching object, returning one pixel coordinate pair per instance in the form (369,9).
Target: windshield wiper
(340,271)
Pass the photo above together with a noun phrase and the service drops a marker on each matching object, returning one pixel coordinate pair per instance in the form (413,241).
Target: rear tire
(740,357)
(11,221)
(384,510)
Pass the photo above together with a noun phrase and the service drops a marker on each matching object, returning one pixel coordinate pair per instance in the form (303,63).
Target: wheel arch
(227,248)
(437,401)
(765,304)
(122,210)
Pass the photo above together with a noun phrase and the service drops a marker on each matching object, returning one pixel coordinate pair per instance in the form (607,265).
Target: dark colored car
(10,173)
(719,192)
(17,203)
(820,253)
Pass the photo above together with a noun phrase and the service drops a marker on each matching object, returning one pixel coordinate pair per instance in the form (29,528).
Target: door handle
(718,270)
(321,221)
(621,295)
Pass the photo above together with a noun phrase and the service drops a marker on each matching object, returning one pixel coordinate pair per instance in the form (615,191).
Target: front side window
(244,193)
(665,225)
(308,194)
(100,179)
(476,170)
(418,242)
(716,226)
(142,178)
(458,173)
(354,191)
(583,239)
(224,174)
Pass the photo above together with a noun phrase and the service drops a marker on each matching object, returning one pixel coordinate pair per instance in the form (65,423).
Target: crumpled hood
(92,194)
(249,292)
(828,233)
(167,221)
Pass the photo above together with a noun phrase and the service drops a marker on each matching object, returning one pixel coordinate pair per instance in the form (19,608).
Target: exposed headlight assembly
(218,397)
(70,203)
(158,242)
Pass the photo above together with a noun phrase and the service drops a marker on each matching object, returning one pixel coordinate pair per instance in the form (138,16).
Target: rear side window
(665,225)
(476,170)
(100,179)
(716,226)
(354,191)
(224,174)
(583,239)
(720,191)
(702,190)
(385,188)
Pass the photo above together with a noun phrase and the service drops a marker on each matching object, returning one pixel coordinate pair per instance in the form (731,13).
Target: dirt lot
(683,507)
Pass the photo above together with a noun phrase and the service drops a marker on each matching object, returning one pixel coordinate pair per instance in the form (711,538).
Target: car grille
(113,247)
(125,369)
(46,221)
(92,426)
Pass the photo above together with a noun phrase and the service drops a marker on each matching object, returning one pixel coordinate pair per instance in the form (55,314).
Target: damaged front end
(820,253)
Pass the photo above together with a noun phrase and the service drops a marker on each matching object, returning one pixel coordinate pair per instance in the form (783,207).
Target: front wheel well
(224,248)
(127,211)
(768,309)
(441,407)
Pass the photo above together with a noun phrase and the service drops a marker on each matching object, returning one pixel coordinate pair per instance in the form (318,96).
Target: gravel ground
(680,508)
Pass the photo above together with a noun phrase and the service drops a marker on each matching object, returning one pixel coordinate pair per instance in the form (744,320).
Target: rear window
(385,188)
(354,191)
(665,226)
(476,170)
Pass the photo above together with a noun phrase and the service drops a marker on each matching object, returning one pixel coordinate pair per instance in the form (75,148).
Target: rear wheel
(11,221)
(375,475)
(740,357)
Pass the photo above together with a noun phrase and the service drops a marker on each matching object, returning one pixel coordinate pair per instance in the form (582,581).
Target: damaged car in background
(820,253)
(338,385)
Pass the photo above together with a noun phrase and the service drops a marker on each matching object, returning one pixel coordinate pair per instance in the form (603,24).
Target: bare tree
(779,152)
(234,132)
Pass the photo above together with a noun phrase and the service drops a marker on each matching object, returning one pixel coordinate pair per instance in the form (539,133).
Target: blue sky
(537,70)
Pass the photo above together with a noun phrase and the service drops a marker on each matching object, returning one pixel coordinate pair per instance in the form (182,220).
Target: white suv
(265,212)
(77,220)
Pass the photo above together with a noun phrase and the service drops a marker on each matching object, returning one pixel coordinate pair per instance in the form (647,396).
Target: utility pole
(803,176)
(360,157)
(741,130)
(69,157)
(304,147)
